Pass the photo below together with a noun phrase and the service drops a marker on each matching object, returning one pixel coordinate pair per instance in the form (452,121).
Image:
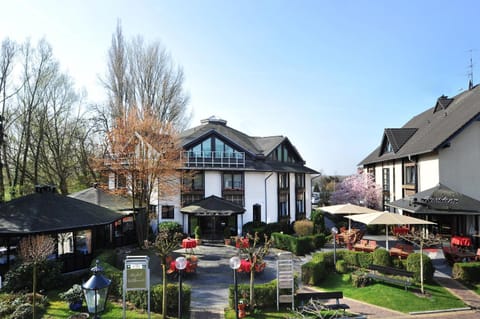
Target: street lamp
(180,264)
(235,264)
(96,290)
(334,231)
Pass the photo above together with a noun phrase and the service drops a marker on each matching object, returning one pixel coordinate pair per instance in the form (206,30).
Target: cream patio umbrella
(387,218)
(347,209)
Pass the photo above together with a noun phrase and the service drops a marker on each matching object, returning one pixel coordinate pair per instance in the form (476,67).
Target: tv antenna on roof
(470,72)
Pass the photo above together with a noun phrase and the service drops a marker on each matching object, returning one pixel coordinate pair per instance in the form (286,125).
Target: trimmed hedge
(265,294)
(298,245)
(413,265)
(469,272)
(139,298)
(382,257)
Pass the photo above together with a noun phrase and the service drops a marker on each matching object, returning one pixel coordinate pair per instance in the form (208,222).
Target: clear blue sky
(329,75)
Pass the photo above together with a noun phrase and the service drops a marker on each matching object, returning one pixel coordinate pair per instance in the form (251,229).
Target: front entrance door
(213,227)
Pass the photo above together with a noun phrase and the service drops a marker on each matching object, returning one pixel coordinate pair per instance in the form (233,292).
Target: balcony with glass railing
(213,159)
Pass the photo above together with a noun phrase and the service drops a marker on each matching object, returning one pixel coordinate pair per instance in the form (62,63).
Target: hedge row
(298,245)
(316,270)
(469,272)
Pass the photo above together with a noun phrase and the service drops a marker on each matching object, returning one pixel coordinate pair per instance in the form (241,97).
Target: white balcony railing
(213,159)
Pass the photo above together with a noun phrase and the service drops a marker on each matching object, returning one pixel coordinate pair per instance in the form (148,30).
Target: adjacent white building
(430,166)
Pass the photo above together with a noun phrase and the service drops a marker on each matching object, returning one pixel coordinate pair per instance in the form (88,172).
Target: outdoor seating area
(454,254)
(366,245)
(401,250)
(348,237)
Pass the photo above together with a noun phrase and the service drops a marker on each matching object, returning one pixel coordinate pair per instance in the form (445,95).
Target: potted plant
(74,297)
(198,233)
(226,236)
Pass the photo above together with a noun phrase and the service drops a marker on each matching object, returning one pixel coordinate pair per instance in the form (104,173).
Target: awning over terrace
(438,200)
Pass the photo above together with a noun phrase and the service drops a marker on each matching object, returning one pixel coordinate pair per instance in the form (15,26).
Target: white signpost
(285,279)
(136,276)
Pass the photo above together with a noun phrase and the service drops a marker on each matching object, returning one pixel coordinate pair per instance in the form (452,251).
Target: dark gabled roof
(398,137)
(213,205)
(434,128)
(213,126)
(101,197)
(257,147)
(50,212)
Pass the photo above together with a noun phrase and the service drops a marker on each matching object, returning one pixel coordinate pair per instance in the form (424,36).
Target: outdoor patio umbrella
(387,218)
(346,209)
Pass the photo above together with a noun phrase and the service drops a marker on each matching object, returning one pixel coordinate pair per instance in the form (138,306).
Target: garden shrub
(360,279)
(413,265)
(341,267)
(313,272)
(468,272)
(304,245)
(364,259)
(255,227)
(398,263)
(382,257)
(318,222)
(318,241)
(298,245)
(171,227)
(303,227)
(20,276)
(22,311)
(281,227)
(139,298)
(284,242)
(351,258)
(265,294)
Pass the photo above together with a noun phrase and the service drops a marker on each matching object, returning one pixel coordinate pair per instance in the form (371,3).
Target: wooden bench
(304,296)
(391,275)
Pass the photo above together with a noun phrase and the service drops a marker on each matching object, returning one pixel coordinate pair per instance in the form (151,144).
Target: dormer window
(387,148)
(284,153)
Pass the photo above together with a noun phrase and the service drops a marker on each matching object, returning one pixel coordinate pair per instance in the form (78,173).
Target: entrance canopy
(438,200)
(213,206)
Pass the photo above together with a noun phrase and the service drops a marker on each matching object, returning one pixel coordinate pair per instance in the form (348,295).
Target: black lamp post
(96,291)
(180,264)
(235,264)
(334,231)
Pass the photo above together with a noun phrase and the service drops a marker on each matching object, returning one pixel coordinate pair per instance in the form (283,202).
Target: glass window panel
(197,150)
(207,148)
(83,241)
(65,243)
(237,181)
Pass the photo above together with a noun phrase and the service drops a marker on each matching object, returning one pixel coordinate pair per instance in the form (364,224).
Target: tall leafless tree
(7,55)
(143,77)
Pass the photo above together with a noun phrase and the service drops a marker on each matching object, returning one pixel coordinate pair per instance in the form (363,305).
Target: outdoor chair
(477,255)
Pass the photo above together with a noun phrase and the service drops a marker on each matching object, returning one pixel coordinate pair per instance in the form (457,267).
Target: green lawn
(59,309)
(395,297)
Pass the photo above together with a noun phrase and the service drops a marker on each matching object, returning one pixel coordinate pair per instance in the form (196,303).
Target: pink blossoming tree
(359,189)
